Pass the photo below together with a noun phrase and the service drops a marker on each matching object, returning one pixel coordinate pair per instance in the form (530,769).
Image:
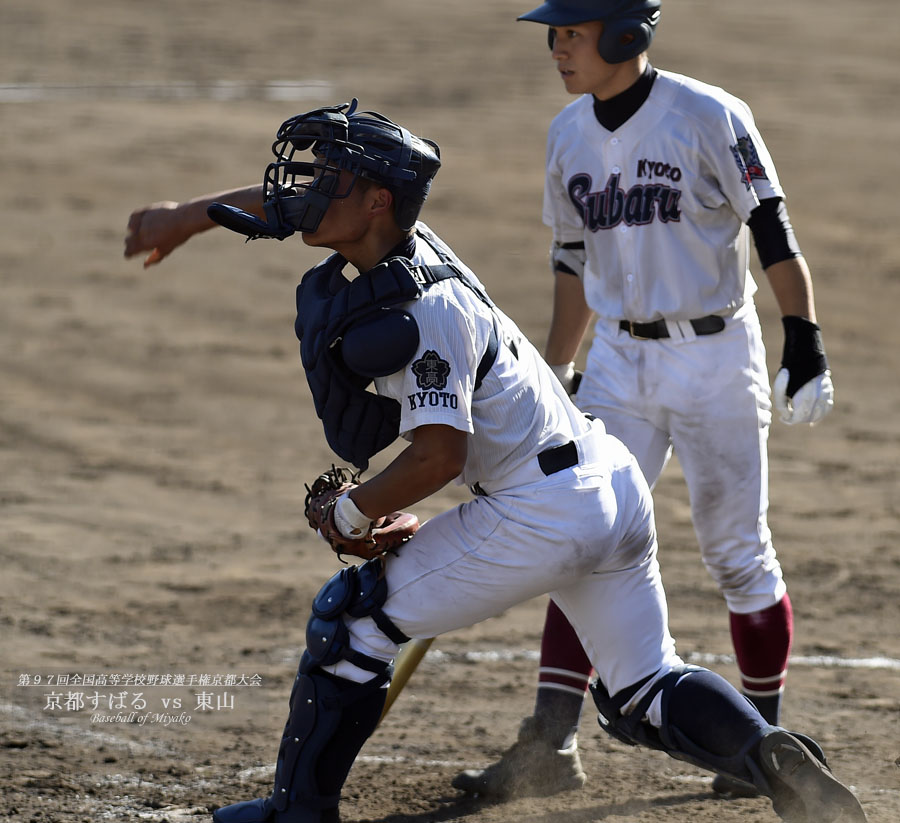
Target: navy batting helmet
(297,193)
(628,25)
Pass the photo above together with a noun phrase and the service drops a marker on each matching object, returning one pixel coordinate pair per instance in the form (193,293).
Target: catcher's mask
(628,25)
(297,193)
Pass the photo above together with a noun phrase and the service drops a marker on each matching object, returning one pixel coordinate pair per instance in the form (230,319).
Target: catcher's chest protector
(351,332)
(357,423)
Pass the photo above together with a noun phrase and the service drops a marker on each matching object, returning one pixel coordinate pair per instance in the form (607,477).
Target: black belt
(557,458)
(711,324)
(551,461)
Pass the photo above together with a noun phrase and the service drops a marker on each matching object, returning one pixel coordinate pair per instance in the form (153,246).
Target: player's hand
(569,376)
(158,229)
(810,403)
(334,516)
(802,390)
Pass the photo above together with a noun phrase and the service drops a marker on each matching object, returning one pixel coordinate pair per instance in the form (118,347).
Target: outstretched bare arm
(162,227)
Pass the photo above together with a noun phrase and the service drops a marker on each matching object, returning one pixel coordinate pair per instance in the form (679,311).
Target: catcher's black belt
(551,461)
(657,329)
(557,458)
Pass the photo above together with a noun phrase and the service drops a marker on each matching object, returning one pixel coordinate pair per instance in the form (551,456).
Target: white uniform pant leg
(614,389)
(621,615)
(649,444)
(722,447)
(708,396)
(591,543)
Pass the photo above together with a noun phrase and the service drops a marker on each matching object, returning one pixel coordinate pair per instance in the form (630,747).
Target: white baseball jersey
(661,204)
(661,201)
(583,532)
(455,325)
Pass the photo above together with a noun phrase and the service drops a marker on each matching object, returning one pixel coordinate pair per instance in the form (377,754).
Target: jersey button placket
(626,252)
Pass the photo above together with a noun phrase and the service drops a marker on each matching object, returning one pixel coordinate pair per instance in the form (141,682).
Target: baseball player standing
(453,375)
(652,181)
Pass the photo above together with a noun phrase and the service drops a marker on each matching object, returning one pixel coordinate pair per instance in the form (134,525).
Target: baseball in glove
(386,534)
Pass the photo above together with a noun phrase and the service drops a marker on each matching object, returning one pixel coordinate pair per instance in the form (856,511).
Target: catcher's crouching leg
(330,717)
(705,721)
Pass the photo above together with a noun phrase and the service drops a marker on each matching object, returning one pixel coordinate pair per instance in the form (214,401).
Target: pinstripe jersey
(660,202)
(520,408)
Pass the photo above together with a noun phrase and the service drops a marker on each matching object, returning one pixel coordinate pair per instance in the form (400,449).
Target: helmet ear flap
(628,25)
(627,37)
(620,40)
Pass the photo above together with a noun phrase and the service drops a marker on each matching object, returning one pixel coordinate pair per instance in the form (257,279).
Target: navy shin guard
(705,721)
(330,720)
(330,717)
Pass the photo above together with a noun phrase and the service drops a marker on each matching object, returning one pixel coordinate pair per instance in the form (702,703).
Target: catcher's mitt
(384,535)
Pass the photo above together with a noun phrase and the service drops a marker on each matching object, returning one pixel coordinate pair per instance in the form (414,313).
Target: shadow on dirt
(457,808)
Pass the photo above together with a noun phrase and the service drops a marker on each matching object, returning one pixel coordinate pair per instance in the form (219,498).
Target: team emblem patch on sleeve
(431,371)
(747,159)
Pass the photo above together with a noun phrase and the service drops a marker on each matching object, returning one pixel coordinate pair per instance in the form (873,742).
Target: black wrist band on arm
(804,352)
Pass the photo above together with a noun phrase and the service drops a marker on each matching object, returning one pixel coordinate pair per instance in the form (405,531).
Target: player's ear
(381,201)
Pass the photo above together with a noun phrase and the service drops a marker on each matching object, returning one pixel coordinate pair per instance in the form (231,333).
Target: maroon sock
(762,644)
(563,678)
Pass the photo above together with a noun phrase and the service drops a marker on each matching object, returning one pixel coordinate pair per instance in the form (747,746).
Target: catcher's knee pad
(330,719)
(704,720)
(359,591)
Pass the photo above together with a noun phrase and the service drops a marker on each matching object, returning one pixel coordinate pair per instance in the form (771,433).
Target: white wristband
(565,373)
(350,521)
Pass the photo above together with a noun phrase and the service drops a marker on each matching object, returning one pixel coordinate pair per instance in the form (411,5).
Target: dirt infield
(156,430)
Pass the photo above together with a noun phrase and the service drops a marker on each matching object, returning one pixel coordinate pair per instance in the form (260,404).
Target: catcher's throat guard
(298,189)
(244,223)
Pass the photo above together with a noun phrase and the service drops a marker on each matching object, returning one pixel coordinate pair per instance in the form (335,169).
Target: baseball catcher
(477,405)
(331,512)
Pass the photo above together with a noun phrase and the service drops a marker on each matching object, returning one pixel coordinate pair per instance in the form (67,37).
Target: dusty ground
(155,429)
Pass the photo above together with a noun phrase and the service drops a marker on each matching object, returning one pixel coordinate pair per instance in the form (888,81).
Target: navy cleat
(250,811)
(262,810)
(803,789)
